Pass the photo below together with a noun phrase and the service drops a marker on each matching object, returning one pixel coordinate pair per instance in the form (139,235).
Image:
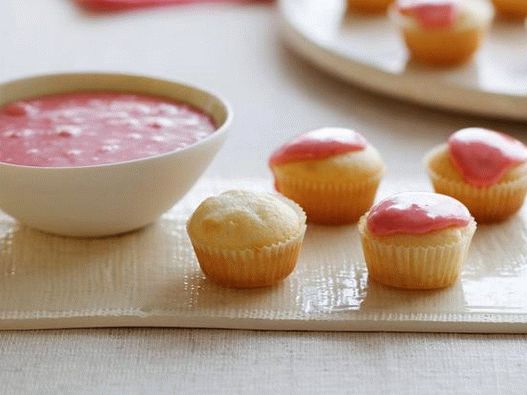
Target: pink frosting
(319,144)
(124,5)
(416,213)
(430,14)
(483,156)
(81,129)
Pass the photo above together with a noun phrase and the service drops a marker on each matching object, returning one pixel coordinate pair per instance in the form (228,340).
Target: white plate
(151,278)
(369,52)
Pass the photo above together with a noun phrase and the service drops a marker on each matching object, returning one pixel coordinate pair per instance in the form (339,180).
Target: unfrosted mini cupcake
(332,173)
(442,32)
(246,239)
(484,169)
(416,240)
(369,6)
(511,8)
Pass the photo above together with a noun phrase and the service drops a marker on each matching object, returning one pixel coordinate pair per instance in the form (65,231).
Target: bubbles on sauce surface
(68,130)
(108,148)
(18,109)
(135,136)
(17,134)
(74,152)
(158,138)
(160,122)
(79,129)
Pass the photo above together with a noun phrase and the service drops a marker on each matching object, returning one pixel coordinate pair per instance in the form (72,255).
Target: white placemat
(151,278)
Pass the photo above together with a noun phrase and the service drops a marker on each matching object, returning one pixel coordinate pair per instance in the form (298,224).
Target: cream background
(235,51)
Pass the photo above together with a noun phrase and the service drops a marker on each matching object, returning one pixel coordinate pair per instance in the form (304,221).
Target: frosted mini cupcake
(416,240)
(442,32)
(484,169)
(332,173)
(247,239)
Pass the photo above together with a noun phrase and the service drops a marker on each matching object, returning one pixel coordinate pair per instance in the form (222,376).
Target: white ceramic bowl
(102,200)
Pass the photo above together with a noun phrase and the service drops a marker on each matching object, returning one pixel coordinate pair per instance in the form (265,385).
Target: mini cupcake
(247,239)
(442,32)
(332,173)
(369,6)
(416,240)
(511,8)
(484,169)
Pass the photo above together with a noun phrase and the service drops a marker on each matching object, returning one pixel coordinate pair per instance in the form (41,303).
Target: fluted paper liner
(492,204)
(415,267)
(252,267)
(331,203)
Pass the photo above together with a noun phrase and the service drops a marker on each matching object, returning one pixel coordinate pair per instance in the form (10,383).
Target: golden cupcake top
(240,219)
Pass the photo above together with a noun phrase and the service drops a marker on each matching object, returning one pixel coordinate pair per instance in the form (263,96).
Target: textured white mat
(151,278)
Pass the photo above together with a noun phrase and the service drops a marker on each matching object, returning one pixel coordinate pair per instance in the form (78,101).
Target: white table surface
(236,51)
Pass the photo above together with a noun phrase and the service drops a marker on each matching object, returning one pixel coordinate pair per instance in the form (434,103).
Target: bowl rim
(219,132)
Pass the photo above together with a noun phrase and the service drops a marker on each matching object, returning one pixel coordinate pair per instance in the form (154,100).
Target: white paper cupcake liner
(250,268)
(331,203)
(419,267)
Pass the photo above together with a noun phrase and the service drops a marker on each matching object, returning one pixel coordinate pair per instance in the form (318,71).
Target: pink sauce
(124,5)
(430,14)
(416,213)
(82,129)
(483,156)
(319,144)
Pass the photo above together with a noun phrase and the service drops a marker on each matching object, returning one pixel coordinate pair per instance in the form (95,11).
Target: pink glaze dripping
(82,129)
(319,144)
(416,213)
(430,14)
(483,156)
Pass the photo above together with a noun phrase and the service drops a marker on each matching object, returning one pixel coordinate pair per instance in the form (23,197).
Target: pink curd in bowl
(92,128)
(97,154)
